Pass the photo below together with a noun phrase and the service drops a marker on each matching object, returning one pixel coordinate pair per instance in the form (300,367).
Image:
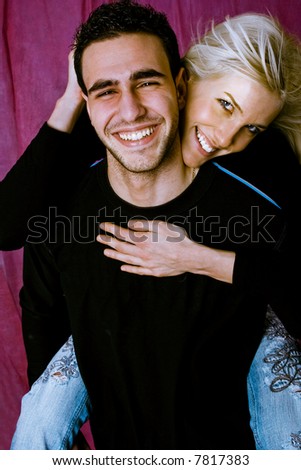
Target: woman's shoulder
(268,163)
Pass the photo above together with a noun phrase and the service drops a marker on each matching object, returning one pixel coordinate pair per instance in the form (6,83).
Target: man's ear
(181,85)
(87,103)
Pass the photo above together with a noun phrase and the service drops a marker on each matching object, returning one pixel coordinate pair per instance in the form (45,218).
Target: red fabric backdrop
(36,35)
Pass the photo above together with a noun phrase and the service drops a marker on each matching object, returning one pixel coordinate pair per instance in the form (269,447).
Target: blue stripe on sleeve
(251,186)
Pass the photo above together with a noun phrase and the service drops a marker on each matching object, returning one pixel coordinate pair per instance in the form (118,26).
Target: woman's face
(222,115)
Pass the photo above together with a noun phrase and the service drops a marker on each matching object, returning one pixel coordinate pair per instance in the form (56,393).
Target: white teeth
(203,143)
(136,135)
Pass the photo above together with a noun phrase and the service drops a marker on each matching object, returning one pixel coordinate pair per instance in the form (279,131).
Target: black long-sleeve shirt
(48,174)
(51,168)
(164,360)
(53,164)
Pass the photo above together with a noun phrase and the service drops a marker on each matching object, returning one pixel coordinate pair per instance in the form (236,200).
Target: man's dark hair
(110,20)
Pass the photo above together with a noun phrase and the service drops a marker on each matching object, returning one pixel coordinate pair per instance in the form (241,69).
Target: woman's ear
(181,85)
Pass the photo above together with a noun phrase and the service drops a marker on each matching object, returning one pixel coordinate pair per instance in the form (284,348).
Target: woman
(206,144)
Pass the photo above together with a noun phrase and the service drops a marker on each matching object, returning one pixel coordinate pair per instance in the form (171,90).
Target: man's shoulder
(91,186)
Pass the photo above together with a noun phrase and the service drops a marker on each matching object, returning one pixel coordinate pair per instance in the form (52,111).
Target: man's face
(132,99)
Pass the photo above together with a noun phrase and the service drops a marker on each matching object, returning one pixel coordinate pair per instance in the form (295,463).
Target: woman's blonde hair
(256,46)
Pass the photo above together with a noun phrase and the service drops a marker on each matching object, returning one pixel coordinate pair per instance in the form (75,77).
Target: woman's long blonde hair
(256,46)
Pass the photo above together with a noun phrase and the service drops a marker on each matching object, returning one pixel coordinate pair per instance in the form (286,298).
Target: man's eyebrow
(146,73)
(101,85)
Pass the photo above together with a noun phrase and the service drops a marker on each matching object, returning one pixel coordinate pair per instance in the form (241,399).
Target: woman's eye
(226,105)
(253,129)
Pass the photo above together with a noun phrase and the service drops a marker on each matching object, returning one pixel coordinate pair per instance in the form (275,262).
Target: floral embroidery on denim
(296,440)
(285,359)
(68,346)
(62,368)
(274,328)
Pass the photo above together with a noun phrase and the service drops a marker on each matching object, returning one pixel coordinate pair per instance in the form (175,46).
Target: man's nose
(130,106)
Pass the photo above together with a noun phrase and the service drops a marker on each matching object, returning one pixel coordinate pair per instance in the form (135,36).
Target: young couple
(165,361)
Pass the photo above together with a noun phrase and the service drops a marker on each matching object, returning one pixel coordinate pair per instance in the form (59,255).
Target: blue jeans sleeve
(55,408)
(274,389)
(57,405)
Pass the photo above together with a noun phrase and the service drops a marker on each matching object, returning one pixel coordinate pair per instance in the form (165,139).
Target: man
(150,350)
